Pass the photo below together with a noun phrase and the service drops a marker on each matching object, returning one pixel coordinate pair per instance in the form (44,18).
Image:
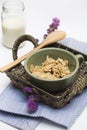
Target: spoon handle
(51,39)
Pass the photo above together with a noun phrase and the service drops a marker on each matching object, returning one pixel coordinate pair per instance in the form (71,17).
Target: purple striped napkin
(13,107)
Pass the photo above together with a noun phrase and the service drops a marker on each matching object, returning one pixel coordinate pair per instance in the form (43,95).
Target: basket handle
(19,41)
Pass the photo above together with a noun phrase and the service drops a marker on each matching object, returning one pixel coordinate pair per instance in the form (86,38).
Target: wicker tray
(55,99)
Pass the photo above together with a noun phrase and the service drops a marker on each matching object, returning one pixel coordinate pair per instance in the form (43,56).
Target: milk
(12,28)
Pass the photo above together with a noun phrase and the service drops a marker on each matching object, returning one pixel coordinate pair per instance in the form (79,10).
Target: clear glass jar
(13,21)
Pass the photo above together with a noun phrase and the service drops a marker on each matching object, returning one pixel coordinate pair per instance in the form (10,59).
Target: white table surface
(73,20)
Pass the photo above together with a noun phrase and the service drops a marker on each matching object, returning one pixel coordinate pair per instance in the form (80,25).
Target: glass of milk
(13,21)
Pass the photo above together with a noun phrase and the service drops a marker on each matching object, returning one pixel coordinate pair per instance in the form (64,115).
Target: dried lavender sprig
(32,104)
(53,26)
(32,99)
(27,89)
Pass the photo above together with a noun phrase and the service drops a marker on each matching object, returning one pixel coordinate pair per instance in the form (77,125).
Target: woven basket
(19,79)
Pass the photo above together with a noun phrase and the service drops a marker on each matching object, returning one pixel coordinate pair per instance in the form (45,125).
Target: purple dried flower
(31,97)
(34,97)
(45,35)
(37,40)
(56,20)
(27,89)
(55,23)
(32,104)
(53,26)
(50,30)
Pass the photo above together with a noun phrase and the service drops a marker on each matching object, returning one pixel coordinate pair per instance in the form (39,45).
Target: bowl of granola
(52,69)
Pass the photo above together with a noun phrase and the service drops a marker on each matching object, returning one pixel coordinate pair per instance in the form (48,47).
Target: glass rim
(9,4)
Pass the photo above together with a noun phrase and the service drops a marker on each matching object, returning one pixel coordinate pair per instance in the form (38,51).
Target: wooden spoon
(51,39)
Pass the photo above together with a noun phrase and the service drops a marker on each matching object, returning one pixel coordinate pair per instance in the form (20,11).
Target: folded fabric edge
(13,116)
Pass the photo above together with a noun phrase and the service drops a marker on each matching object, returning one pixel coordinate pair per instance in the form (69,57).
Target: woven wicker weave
(18,77)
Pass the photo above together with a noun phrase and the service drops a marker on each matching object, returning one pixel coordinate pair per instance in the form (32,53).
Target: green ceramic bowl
(39,57)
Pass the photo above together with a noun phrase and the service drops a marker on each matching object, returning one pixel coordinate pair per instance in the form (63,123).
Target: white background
(39,14)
